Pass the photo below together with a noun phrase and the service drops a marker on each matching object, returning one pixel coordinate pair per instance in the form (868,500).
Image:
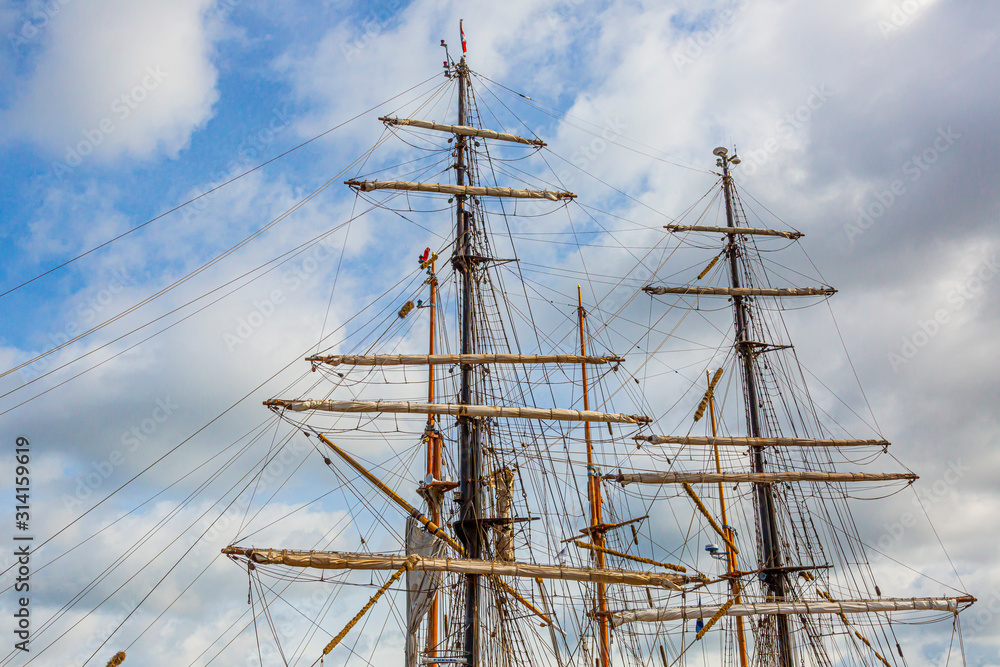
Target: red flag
(462,30)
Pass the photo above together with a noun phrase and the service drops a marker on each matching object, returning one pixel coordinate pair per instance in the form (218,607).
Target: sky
(869,125)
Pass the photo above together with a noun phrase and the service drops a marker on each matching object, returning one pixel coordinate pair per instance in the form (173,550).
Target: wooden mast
(470,462)
(731,565)
(433,457)
(770,542)
(594,495)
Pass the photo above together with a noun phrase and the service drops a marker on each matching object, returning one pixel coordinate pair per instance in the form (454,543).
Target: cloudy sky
(867,124)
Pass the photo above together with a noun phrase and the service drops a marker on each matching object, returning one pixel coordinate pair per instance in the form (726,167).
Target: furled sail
(741,291)
(421,585)
(464,190)
(503,481)
(463,130)
(784,608)
(755,442)
(341,560)
(757,477)
(735,230)
(458,410)
(436,359)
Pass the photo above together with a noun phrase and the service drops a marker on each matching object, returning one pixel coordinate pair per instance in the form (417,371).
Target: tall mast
(594,495)
(433,457)
(731,567)
(771,548)
(470,463)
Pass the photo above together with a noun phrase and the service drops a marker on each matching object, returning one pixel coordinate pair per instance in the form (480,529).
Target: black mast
(470,463)
(771,555)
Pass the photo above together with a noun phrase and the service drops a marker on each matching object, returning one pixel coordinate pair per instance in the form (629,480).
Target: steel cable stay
(173,450)
(187,277)
(151,499)
(792,549)
(218,187)
(140,570)
(140,342)
(263,466)
(285,258)
(141,541)
(561,119)
(293,252)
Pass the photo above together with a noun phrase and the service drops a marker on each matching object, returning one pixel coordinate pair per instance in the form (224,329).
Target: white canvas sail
(421,585)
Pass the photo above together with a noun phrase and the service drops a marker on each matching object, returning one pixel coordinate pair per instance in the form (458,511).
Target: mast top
(724,161)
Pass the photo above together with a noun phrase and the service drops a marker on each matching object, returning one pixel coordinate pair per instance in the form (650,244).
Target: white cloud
(760,68)
(117,77)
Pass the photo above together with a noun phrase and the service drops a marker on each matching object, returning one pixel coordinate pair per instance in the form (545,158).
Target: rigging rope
(410,562)
(221,185)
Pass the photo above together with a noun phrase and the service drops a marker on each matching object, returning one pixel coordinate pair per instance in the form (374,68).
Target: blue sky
(870,125)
